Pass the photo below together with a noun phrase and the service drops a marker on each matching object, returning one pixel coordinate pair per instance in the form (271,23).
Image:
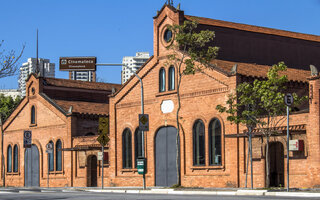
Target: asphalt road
(114,196)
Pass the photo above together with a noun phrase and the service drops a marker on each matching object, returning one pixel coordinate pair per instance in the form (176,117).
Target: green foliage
(254,102)
(195,44)
(7,106)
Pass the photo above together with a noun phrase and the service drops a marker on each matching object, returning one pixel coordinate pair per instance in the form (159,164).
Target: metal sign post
(288,100)
(49,150)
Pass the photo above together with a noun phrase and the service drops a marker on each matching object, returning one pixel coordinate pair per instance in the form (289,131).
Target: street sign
(141,162)
(103,125)
(103,139)
(77,63)
(143,122)
(288,99)
(100,155)
(27,139)
(49,147)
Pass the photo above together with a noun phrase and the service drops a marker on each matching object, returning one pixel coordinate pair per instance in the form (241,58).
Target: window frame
(127,149)
(57,153)
(15,160)
(171,78)
(9,158)
(33,120)
(211,128)
(137,151)
(198,147)
(162,79)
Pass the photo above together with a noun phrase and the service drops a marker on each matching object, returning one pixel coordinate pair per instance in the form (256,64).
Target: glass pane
(51,160)
(58,156)
(15,158)
(127,152)
(215,142)
(162,78)
(171,78)
(33,117)
(9,159)
(199,143)
(138,145)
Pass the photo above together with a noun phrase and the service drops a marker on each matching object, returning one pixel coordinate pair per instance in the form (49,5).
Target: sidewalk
(177,191)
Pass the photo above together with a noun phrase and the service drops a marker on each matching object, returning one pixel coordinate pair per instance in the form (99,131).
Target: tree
(9,61)
(191,52)
(261,104)
(7,106)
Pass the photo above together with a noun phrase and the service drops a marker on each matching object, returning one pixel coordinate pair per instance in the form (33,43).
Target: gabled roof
(260,71)
(251,28)
(79,84)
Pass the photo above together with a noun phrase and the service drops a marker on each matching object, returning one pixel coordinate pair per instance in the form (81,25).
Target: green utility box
(141,165)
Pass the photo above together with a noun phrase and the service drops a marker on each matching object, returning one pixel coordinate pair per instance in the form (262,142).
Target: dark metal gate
(92,171)
(165,155)
(31,167)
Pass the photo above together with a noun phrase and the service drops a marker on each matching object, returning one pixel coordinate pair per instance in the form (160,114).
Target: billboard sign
(77,63)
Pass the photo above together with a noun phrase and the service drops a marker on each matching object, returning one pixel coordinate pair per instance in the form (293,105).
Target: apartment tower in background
(46,69)
(133,62)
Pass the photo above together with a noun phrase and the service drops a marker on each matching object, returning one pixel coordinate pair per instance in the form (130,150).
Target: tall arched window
(51,159)
(137,145)
(198,143)
(15,158)
(215,142)
(171,78)
(162,80)
(58,155)
(9,159)
(126,149)
(33,115)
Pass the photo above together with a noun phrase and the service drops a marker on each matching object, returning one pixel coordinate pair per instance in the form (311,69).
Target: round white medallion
(167,106)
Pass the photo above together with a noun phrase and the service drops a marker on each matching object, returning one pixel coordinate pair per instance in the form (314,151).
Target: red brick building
(62,112)
(212,152)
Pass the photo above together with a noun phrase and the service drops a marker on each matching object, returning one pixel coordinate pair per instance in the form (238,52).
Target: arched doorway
(276,159)
(165,155)
(31,167)
(92,171)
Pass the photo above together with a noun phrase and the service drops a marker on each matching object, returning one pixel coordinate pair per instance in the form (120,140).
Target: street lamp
(142,109)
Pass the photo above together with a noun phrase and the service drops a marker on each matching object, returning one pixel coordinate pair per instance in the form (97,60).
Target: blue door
(165,154)
(31,167)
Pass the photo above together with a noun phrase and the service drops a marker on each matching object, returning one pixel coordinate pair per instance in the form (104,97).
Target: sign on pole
(143,122)
(100,156)
(49,148)
(288,99)
(27,139)
(77,63)
(103,130)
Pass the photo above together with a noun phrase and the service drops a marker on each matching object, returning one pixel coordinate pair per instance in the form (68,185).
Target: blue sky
(111,29)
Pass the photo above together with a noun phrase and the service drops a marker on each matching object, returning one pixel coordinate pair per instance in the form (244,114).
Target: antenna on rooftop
(37,67)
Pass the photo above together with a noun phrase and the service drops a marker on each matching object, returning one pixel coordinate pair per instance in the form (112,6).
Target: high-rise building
(46,69)
(134,63)
(89,76)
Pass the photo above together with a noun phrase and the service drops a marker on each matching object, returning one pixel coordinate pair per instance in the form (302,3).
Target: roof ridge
(255,28)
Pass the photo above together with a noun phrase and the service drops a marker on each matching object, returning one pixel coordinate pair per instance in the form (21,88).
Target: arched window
(162,80)
(137,145)
(171,78)
(126,149)
(33,115)
(15,158)
(198,143)
(215,142)
(9,159)
(51,159)
(58,155)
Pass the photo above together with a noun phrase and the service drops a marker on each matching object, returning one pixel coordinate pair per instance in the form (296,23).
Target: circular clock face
(167,35)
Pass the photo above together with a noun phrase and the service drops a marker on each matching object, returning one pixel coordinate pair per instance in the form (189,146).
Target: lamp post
(142,109)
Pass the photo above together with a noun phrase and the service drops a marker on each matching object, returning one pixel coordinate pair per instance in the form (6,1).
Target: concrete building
(89,76)
(134,63)
(46,69)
